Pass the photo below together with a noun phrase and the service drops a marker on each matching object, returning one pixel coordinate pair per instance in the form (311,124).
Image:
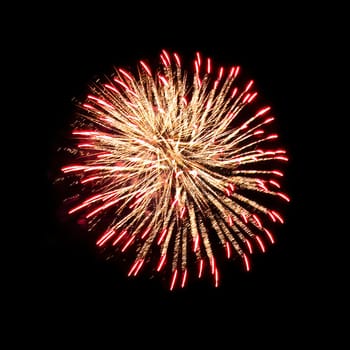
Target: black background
(287,298)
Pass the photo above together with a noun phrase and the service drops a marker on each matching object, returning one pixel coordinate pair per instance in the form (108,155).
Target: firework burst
(177,168)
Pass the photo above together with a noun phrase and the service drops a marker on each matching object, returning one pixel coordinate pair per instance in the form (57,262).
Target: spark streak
(175,167)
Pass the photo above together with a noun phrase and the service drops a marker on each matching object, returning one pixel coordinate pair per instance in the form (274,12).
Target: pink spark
(146,68)
(173,280)
(122,234)
(105,206)
(216,278)
(182,213)
(208,66)
(166,55)
(262,111)
(177,59)
(257,220)
(99,101)
(230,220)
(145,233)
(88,106)
(269,235)
(110,87)
(198,58)
(244,217)
(175,201)
(221,72)
(282,158)
(249,246)
(138,267)
(106,237)
(85,132)
(249,85)
(161,263)
(236,71)
(184,278)
(89,179)
(163,80)
(272,216)
(246,262)
(135,268)
(228,250)
(277,216)
(126,74)
(234,92)
(162,235)
(277,172)
(125,86)
(196,243)
(212,264)
(252,97)
(246,98)
(85,145)
(232,72)
(269,120)
(275,183)
(200,271)
(196,67)
(272,137)
(72,168)
(284,196)
(262,247)
(128,243)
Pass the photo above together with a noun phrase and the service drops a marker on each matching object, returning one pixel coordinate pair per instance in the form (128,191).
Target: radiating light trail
(177,168)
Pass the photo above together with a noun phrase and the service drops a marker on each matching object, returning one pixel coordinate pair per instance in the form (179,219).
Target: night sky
(71,287)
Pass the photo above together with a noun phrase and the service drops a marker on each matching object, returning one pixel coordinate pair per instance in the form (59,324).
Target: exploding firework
(178,169)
